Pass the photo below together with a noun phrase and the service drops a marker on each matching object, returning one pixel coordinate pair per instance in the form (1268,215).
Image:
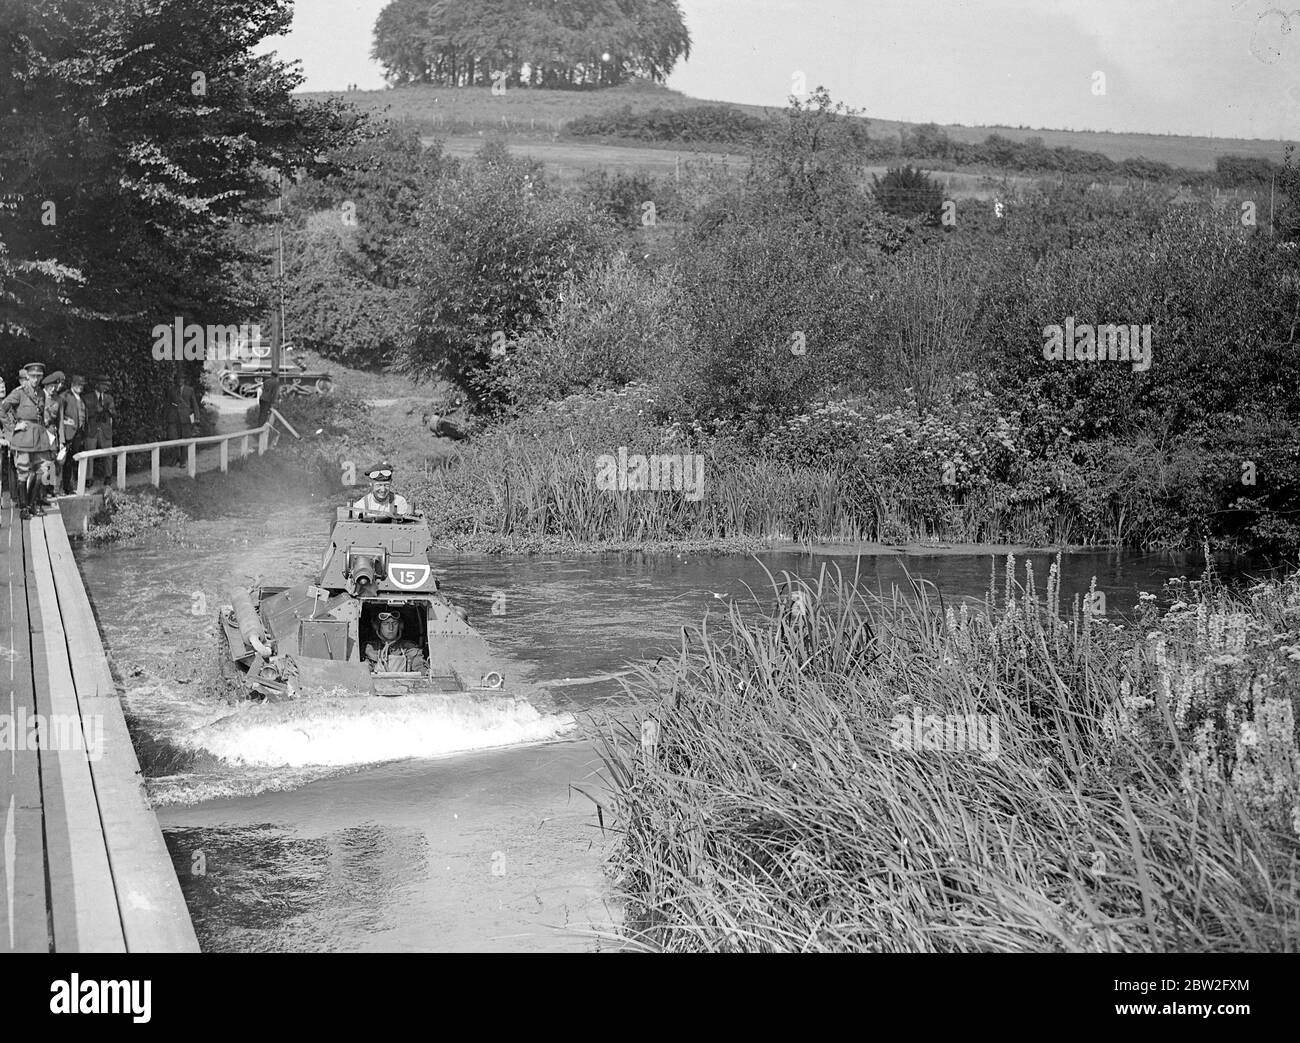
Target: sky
(1221,68)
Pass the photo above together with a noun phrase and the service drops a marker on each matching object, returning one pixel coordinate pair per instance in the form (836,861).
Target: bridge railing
(83,458)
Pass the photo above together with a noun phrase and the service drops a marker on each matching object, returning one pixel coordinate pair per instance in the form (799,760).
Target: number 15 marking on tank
(408,577)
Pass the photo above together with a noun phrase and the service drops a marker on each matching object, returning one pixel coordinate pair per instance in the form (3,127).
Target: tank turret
(369,556)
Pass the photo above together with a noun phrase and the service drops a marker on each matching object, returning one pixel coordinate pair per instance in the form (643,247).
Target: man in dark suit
(74,425)
(267,397)
(175,419)
(100,433)
(191,415)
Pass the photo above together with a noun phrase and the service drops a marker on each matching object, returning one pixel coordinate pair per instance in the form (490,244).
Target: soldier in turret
(381,499)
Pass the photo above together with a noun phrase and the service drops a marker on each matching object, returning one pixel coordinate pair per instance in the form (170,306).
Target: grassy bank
(1143,792)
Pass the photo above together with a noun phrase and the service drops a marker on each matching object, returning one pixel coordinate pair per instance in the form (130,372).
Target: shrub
(714,124)
(907,192)
(615,324)
(494,248)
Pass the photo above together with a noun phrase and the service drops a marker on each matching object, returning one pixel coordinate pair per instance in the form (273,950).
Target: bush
(773,310)
(623,195)
(125,516)
(907,192)
(493,249)
(615,324)
(713,124)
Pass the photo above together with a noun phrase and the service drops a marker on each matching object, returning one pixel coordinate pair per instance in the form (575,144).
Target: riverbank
(531,486)
(872,774)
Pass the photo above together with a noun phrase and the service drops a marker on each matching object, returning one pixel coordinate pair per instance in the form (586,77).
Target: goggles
(384,617)
(380,476)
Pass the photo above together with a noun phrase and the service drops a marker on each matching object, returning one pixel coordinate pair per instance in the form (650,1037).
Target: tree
(546,43)
(492,249)
(347,280)
(133,138)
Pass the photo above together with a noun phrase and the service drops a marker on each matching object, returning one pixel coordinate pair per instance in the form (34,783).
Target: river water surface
(430,824)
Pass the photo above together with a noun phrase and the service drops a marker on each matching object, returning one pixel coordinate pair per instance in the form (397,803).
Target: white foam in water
(333,731)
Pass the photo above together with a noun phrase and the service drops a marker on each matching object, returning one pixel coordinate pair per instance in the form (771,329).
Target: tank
(281,643)
(242,375)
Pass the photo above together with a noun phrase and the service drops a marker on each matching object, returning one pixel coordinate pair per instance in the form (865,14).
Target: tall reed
(761,800)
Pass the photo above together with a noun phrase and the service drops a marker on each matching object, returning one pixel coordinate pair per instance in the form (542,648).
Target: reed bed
(526,489)
(1141,796)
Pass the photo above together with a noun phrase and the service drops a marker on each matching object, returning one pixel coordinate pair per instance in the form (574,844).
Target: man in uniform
(74,422)
(389,650)
(381,499)
(24,413)
(175,412)
(100,433)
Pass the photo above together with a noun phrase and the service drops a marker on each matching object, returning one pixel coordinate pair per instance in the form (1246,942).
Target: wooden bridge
(83,865)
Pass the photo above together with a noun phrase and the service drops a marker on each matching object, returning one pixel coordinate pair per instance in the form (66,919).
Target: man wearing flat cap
(24,414)
(381,499)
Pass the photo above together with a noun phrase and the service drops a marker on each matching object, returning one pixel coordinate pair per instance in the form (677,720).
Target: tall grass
(761,804)
(528,489)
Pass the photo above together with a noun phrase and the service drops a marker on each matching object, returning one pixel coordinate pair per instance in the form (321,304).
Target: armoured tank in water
(337,633)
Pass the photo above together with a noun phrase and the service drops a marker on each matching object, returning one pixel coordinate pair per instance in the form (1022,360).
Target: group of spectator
(48,419)
(45,422)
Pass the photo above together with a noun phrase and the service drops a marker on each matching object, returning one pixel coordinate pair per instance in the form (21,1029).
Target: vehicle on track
(243,374)
(279,643)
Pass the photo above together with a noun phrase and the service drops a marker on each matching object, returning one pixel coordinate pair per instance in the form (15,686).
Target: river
(419,825)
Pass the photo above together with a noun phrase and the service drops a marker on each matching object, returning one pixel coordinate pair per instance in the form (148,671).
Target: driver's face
(381,490)
(388,629)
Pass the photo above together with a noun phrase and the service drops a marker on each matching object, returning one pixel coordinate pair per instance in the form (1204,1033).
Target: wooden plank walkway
(83,865)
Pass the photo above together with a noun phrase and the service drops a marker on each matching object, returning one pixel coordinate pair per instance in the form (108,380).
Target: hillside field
(542,114)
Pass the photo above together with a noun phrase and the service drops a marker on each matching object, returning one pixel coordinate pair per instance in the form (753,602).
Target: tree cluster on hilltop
(539,43)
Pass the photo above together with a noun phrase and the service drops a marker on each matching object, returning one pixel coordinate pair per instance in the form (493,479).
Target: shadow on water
(260,888)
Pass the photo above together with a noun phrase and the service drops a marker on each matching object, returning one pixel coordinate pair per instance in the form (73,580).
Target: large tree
(549,43)
(134,135)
